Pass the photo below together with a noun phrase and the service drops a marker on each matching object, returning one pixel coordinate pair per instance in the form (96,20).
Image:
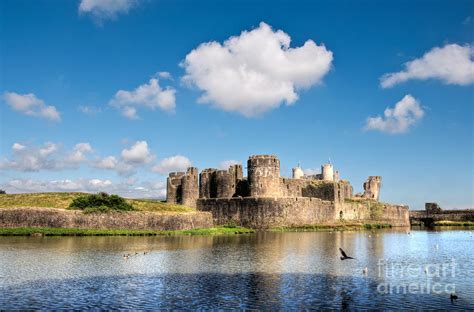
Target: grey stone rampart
(268,212)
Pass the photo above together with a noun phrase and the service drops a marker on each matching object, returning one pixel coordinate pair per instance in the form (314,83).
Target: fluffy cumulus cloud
(149,95)
(452,64)
(46,157)
(101,10)
(79,153)
(138,153)
(399,119)
(118,165)
(256,71)
(30,105)
(129,188)
(225,164)
(173,163)
(109,162)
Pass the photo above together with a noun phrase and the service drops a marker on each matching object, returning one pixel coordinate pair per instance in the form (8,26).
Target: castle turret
(327,172)
(264,175)
(207,183)
(225,184)
(298,172)
(190,187)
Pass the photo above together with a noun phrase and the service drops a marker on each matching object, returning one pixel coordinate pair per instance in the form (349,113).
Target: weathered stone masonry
(264,199)
(433,213)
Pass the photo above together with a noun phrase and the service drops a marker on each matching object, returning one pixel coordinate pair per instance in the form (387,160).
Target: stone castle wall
(266,212)
(325,190)
(75,219)
(434,213)
(396,215)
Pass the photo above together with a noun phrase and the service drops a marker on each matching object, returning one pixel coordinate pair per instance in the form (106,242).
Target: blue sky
(63,64)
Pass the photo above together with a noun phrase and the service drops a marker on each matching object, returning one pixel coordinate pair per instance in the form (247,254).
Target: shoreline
(217,230)
(46,231)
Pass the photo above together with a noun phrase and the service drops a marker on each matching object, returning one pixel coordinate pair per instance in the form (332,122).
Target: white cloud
(452,64)
(138,153)
(173,163)
(130,159)
(79,152)
(399,119)
(30,105)
(225,164)
(256,71)
(47,149)
(129,112)
(46,157)
(149,95)
(109,162)
(101,10)
(311,171)
(89,110)
(164,75)
(18,147)
(112,163)
(147,189)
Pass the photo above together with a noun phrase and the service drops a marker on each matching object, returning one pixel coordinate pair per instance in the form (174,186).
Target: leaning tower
(263,173)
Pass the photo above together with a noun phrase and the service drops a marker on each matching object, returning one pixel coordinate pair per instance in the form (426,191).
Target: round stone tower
(263,173)
(327,172)
(225,184)
(298,172)
(190,187)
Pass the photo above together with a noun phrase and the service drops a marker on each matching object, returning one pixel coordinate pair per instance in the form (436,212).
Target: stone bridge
(433,213)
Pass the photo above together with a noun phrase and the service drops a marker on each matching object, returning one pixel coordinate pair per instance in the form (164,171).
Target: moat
(265,270)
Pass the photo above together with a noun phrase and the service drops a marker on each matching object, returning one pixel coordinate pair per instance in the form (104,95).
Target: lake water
(266,270)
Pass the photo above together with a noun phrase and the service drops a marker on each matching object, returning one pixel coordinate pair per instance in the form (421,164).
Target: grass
(63,200)
(41,231)
(453,223)
(332,227)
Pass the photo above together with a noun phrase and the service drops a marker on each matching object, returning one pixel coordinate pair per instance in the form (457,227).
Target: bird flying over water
(344,256)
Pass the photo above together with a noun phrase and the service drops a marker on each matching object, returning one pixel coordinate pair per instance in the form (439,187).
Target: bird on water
(453,297)
(344,256)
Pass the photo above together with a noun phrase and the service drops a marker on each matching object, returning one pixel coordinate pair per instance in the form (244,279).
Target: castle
(265,199)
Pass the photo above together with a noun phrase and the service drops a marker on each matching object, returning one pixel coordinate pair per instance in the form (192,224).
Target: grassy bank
(63,200)
(332,227)
(454,223)
(31,231)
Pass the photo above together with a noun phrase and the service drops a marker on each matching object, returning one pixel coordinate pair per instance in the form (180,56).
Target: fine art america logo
(403,278)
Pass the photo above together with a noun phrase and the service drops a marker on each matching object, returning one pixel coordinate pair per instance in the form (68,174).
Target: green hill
(63,200)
